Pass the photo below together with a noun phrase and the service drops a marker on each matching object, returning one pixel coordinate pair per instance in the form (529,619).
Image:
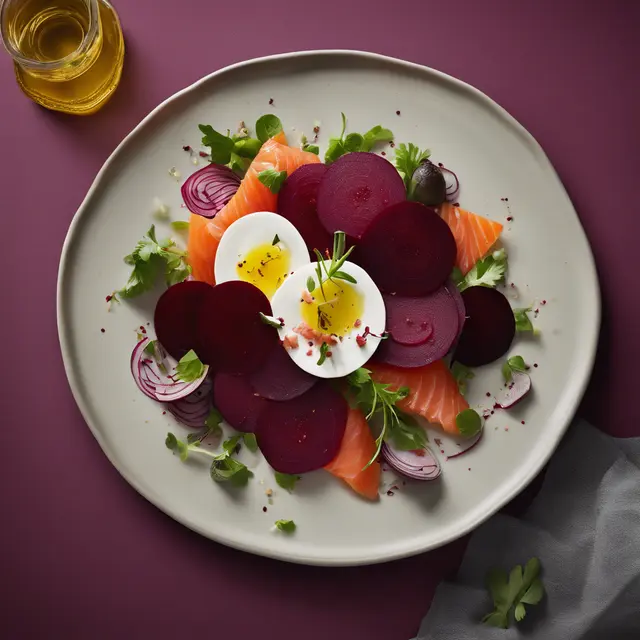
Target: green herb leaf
(375,135)
(221,146)
(177,446)
(523,323)
(224,468)
(213,419)
(461,375)
(250,442)
(512,593)
(247,147)
(268,126)
(342,275)
(312,148)
(275,240)
(180,225)
(189,367)
(288,526)
(408,435)
(353,142)
(286,481)
(408,158)
(469,423)
(268,320)
(515,363)
(487,272)
(334,150)
(457,277)
(324,348)
(311,284)
(231,445)
(272,179)
(150,349)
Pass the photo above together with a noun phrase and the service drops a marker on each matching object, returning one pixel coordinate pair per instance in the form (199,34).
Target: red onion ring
(208,190)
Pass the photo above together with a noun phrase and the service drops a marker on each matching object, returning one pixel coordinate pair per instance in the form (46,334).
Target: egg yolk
(266,266)
(335,311)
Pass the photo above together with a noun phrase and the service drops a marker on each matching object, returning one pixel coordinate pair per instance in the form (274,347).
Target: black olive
(429,184)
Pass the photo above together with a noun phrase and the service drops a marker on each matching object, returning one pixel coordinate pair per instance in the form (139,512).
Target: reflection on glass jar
(68,54)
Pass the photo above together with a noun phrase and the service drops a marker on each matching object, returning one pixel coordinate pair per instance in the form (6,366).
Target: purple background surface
(82,554)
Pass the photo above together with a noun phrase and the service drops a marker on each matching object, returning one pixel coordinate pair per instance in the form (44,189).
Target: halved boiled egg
(349,318)
(261,248)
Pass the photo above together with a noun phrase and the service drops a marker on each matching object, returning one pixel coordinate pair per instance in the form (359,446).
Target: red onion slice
(153,374)
(208,190)
(419,465)
(194,409)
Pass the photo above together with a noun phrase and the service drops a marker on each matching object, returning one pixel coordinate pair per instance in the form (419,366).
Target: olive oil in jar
(68,54)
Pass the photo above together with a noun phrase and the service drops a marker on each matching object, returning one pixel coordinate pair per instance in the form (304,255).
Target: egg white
(346,356)
(251,231)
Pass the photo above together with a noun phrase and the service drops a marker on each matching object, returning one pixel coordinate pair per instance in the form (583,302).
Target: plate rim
(535,466)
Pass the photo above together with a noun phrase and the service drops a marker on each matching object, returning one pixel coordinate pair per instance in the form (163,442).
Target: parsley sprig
(408,159)
(511,593)
(148,259)
(375,398)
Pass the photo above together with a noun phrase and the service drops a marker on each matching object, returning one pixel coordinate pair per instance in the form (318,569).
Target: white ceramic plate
(495,158)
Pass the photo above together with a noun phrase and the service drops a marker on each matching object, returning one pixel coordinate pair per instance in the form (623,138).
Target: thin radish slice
(408,250)
(297,202)
(517,389)
(231,335)
(155,377)
(280,378)
(355,190)
(454,448)
(193,410)
(208,190)
(489,328)
(237,401)
(176,317)
(303,434)
(419,465)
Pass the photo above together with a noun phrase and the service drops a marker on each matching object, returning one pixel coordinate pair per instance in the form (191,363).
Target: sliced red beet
(280,378)
(237,401)
(355,189)
(489,328)
(297,202)
(303,434)
(410,319)
(176,317)
(408,249)
(232,337)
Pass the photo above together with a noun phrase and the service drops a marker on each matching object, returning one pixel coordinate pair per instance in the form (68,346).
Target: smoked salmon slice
(252,196)
(433,394)
(474,234)
(357,448)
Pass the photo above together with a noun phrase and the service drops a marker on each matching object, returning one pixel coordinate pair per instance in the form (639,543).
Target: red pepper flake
(488,394)
(535,365)
(383,153)
(186,147)
(316,129)
(109,298)
(491,413)
(281,321)
(543,302)
(522,422)
(310,352)
(270,102)
(442,451)
(361,341)
(390,493)
(392,144)
(142,329)
(398,112)
(310,343)
(329,354)
(456,204)
(509,218)
(506,428)
(357,323)
(469,469)
(497,406)
(103,330)
(164,413)
(264,509)
(203,154)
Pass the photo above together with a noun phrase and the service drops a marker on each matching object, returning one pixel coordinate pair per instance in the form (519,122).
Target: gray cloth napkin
(584,526)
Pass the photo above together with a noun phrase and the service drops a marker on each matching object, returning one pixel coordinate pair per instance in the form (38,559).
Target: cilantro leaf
(221,146)
(147,260)
(272,179)
(515,363)
(487,272)
(288,526)
(510,594)
(189,367)
(469,423)
(523,322)
(268,126)
(250,442)
(286,480)
(461,375)
(408,158)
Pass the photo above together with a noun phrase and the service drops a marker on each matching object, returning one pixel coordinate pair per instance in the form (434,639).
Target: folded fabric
(584,526)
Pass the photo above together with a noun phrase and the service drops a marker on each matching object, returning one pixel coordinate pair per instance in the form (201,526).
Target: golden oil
(68,54)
